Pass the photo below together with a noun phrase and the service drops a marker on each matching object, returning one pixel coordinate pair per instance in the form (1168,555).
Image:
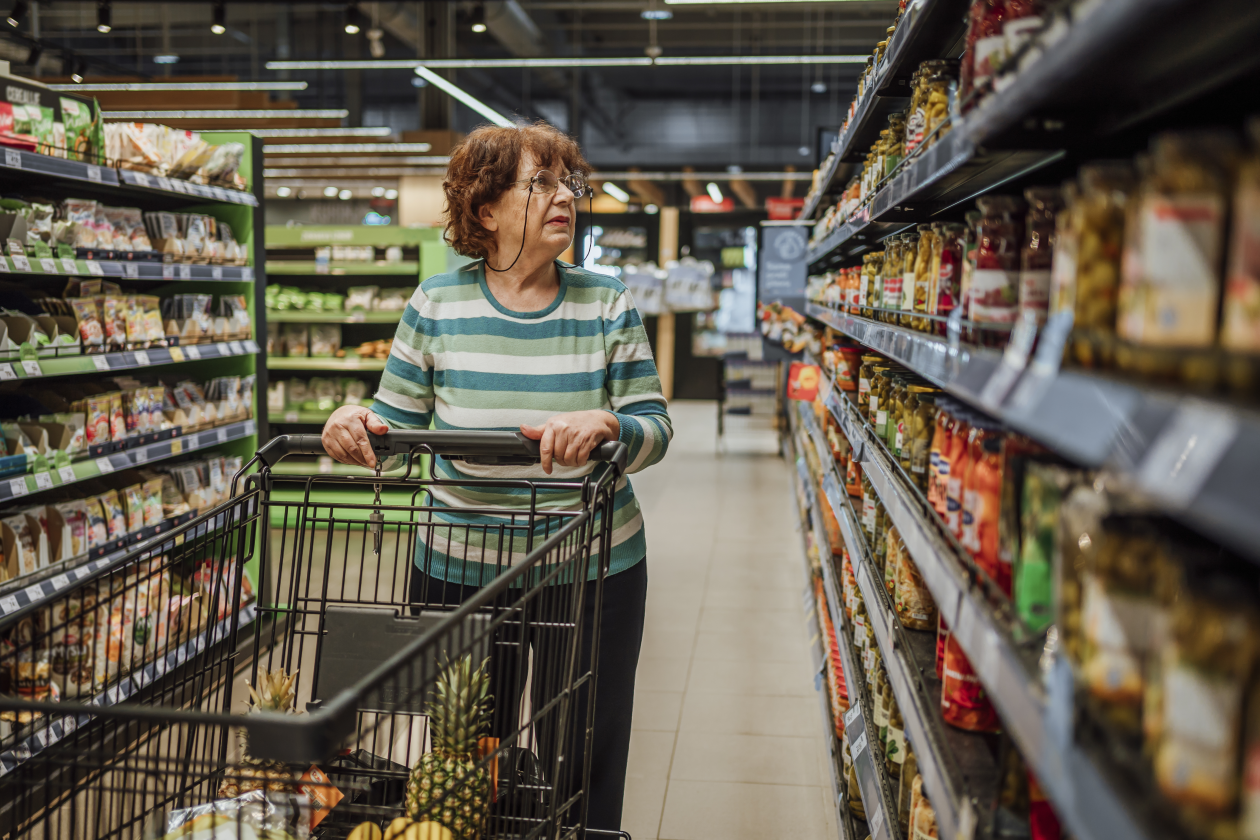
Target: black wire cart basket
(399,667)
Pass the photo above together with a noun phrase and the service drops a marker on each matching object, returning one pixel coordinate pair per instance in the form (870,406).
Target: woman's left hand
(568,439)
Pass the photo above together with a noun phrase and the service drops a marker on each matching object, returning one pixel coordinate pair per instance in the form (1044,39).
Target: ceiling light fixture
(354,19)
(283,192)
(179,86)
(818,87)
(219,20)
(479,19)
(418,82)
(17,13)
(348,148)
(651,209)
(390,195)
(76,75)
(366,160)
(617,192)
(656,14)
(542,63)
(714,192)
(372,131)
(330,192)
(227,114)
(166,59)
(345,195)
(102,17)
(376,43)
(464,96)
(378,192)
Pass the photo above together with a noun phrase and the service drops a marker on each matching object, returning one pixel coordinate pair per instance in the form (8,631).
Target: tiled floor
(727,736)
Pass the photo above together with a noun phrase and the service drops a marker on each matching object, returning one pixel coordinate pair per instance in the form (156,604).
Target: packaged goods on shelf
(316,394)
(69,128)
(173,152)
(195,238)
(281,298)
(784,325)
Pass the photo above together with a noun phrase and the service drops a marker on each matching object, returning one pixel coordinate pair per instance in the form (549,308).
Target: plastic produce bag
(249,816)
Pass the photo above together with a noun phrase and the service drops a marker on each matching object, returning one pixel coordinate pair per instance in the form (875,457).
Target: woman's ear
(485,215)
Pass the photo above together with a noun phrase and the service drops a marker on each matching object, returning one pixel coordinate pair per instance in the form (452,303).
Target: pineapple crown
(459,710)
(274,693)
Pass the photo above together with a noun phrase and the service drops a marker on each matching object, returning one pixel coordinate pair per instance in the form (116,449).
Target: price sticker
(131,271)
(858,744)
(4,265)
(12,157)
(251,346)
(223,349)
(168,271)
(221,434)
(142,179)
(104,465)
(6,373)
(20,262)
(69,266)
(216,272)
(177,354)
(192,352)
(60,582)
(247,274)
(17,487)
(139,456)
(237,348)
(855,711)
(32,368)
(44,481)
(877,821)
(142,358)
(185,272)
(94,267)
(177,446)
(48,264)
(9,604)
(67,475)
(94,173)
(100,362)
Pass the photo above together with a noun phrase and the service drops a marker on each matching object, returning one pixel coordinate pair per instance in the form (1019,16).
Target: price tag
(216,272)
(21,263)
(13,158)
(142,179)
(32,368)
(69,266)
(251,346)
(101,362)
(168,271)
(237,349)
(48,264)
(142,358)
(877,821)
(139,456)
(104,465)
(855,711)
(185,272)
(4,265)
(60,582)
(223,349)
(192,352)
(221,434)
(9,604)
(177,446)
(857,745)
(1014,360)
(177,354)
(17,487)
(67,475)
(6,373)
(94,267)
(131,271)
(94,173)
(1186,453)
(290,417)
(44,481)
(247,274)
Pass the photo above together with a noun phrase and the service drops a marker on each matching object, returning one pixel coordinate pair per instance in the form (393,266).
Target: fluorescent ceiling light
(372,131)
(465,97)
(330,192)
(370,172)
(345,195)
(264,114)
(422,160)
(181,86)
(656,14)
(391,194)
(378,192)
(348,148)
(617,192)
(725,2)
(714,193)
(702,176)
(166,59)
(543,63)
(284,192)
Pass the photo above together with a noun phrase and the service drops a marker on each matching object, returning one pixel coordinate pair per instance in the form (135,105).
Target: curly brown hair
(484,166)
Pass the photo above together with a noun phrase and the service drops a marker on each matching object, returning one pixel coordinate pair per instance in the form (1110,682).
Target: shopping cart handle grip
(282,445)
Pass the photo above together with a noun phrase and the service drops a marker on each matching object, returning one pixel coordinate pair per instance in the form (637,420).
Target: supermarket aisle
(727,729)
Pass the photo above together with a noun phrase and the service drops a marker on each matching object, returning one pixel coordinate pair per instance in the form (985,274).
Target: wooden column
(665,322)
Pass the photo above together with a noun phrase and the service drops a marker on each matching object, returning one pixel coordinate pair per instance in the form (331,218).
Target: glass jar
(912,600)
(909,770)
(922,276)
(868,510)
(1240,319)
(995,281)
(947,257)
(937,108)
(864,287)
(865,373)
(916,116)
(895,744)
(877,280)
(1037,257)
(877,412)
(894,250)
(938,456)
(984,42)
(880,546)
(854,790)
(970,226)
(920,427)
(896,420)
(895,548)
(896,149)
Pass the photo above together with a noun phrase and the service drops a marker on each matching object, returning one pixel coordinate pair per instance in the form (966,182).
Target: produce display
(316,394)
(373,298)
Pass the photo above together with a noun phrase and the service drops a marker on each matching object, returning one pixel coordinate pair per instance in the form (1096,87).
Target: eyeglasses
(546,182)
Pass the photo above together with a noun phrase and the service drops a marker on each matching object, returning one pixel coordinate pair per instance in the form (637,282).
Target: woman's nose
(564,196)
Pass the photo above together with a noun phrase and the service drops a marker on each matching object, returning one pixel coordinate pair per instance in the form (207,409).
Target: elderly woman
(520,340)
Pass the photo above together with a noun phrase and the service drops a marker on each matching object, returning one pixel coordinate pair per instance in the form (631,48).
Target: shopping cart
(124,707)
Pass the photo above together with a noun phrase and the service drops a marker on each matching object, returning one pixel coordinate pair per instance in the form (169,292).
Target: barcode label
(12,157)
(67,475)
(94,267)
(94,173)
(6,372)
(142,358)
(69,265)
(236,347)
(32,368)
(131,270)
(168,271)
(104,465)
(48,264)
(60,582)
(17,487)
(101,362)
(192,352)
(20,262)
(216,272)
(9,604)
(859,744)
(185,272)
(141,178)
(44,481)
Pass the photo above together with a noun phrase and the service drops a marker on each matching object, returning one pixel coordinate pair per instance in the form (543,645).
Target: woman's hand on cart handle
(567,439)
(345,435)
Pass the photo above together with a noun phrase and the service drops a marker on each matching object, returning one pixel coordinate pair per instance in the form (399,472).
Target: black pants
(620,637)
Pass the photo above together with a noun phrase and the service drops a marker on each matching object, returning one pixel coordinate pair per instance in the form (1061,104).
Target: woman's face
(551,216)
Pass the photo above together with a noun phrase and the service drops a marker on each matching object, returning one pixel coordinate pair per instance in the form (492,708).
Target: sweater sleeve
(405,398)
(634,386)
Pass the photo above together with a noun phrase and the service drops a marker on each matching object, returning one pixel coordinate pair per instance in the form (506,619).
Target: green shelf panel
(298,363)
(301,316)
(381,236)
(409,268)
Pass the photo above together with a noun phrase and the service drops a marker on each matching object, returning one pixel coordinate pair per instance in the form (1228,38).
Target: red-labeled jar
(995,281)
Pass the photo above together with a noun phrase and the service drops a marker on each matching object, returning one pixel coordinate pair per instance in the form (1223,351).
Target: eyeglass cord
(589,211)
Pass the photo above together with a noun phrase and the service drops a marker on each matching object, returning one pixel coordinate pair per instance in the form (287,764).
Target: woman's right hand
(345,435)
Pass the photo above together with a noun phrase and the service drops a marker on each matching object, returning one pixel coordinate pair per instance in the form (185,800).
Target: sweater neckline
(538,313)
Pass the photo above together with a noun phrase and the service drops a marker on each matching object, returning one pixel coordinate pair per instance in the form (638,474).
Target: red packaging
(942,636)
(958,465)
(982,497)
(938,460)
(964,702)
(985,42)
(1043,822)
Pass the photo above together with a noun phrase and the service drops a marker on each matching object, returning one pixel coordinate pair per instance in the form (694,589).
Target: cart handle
(495,448)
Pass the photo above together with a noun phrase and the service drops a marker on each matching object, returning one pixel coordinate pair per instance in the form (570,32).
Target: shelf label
(221,434)
(94,173)
(185,272)
(69,266)
(223,349)
(139,456)
(60,582)
(251,346)
(48,264)
(94,267)
(859,744)
(100,362)
(142,358)
(13,158)
(44,481)
(104,465)
(4,265)
(163,183)
(20,262)
(168,271)
(67,475)
(17,487)
(131,271)
(9,605)
(6,373)
(32,367)
(236,347)
(216,272)
(877,821)
(247,274)
(1185,454)
(290,417)
(141,178)
(177,354)
(1014,360)
(192,352)
(855,712)
(177,446)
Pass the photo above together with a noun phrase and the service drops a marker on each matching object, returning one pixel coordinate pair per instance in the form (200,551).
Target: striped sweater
(461,360)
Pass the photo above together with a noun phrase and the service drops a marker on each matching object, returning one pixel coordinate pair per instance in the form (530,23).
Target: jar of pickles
(937,108)
(881,402)
(922,275)
(896,148)
(919,427)
(894,259)
(995,279)
(865,374)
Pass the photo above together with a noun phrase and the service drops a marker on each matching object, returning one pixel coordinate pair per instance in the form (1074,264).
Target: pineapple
(447,785)
(275,693)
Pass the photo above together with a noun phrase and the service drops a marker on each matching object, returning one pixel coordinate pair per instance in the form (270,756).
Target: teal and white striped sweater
(461,360)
